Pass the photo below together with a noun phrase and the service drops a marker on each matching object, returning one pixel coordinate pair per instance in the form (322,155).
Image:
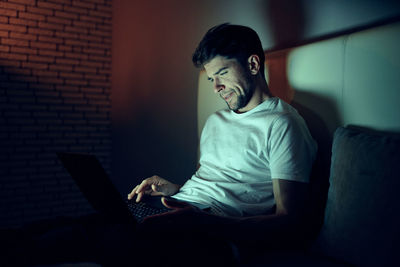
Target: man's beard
(244,99)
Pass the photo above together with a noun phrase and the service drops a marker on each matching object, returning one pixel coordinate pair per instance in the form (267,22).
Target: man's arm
(287,223)
(289,220)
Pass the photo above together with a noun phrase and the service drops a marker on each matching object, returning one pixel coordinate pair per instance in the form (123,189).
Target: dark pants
(109,243)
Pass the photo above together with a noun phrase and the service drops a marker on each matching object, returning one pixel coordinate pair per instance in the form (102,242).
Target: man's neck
(261,94)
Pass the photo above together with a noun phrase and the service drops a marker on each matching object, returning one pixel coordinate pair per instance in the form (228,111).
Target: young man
(250,189)
(256,156)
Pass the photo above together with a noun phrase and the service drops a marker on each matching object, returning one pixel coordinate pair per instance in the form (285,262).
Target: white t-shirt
(240,154)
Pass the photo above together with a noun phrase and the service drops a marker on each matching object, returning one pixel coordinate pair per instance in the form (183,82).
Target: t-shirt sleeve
(291,149)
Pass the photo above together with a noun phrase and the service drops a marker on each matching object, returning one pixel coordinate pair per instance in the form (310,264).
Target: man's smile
(228,96)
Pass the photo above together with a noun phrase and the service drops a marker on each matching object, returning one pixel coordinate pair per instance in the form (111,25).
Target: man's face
(231,81)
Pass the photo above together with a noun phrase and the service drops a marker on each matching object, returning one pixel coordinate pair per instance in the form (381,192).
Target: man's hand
(154,186)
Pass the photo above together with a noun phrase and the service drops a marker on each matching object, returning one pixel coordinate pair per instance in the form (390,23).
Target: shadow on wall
(287,22)
(39,116)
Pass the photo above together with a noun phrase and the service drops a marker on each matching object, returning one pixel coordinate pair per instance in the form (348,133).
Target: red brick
(23,50)
(89,18)
(64,48)
(84,24)
(68,2)
(77,49)
(75,82)
(99,83)
(67,88)
(3,19)
(105,71)
(76,29)
(27,2)
(40,31)
(25,22)
(75,42)
(43,45)
(59,67)
(83,4)
(85,69)
(67,35)
(67,15)
(50,39)
(17,42)
(11,63)
(4,48)
(92,90)
(50,26)
(107,28)
(26,15)
(67,61)
(37,10)
(9,27)
(107,40)
(3,33)
(12,56)
(59,20)
(45,73)
(100,45)
(45,52)
(92,64)
(26,72)
(99,102)
(50,80)
(94,51)
(8,13)
(100,14)
(77,10)
(32,65)
(41,59)
(71,75)
(46,4)
(96,77)
(90,38)
(99,58)
(76,56)
(104,8)
(96,1)
(25,36)
(12,6)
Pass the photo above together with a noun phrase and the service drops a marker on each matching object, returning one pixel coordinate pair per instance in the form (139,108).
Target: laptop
(101,193)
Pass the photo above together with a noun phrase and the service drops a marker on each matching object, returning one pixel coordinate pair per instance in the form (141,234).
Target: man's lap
(92,238)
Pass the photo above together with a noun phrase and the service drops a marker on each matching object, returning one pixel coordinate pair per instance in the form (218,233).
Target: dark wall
(55,86)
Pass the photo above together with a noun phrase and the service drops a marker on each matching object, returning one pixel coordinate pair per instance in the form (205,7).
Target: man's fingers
(132,193)
(139,197)
(141,187)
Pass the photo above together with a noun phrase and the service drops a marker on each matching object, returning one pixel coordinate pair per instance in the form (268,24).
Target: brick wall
(55,87)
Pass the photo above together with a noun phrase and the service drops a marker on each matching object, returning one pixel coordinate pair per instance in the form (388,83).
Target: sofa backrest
(361,222)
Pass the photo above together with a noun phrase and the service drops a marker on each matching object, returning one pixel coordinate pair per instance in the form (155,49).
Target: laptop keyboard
(142,210)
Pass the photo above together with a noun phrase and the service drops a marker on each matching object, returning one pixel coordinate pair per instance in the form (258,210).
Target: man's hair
(230,41)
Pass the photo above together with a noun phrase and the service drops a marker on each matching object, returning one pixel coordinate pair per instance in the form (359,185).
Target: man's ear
(254,64)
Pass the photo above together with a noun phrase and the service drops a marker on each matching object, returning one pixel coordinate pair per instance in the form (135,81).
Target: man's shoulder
(219,114)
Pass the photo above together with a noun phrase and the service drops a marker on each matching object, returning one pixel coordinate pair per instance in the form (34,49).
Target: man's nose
(218,86)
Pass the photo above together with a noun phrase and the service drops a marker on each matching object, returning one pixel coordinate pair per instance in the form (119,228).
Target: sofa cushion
(362,216)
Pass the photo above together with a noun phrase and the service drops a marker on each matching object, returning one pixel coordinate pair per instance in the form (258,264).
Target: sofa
(362,215)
